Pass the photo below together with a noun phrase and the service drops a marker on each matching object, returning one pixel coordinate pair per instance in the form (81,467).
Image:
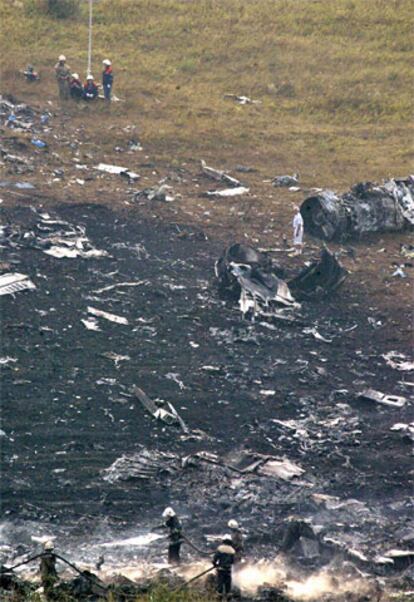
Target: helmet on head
(107,62)
(49,545)
(227,538)
(89,77)
(75,75)
(62,58)
(233,524)
(168,513)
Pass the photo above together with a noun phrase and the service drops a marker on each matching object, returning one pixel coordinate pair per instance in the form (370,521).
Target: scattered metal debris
(321,277)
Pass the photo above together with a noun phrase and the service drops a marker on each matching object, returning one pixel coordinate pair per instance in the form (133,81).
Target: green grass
(334,78)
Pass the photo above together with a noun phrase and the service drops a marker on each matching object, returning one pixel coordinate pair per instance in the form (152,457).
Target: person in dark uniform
(90,89)
(236,539)
(175,535)
(107,79)
(48,573)
(223,560)
(75,87)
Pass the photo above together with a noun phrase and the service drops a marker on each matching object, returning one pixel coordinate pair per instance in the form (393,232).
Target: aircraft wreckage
(367,207)
(249,275)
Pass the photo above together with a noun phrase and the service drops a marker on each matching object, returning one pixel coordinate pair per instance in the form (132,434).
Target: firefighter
(175,539)
(48,573)
(107,79)
(236,539)
(75,87)
(223,560)
(63,71)
(90,89)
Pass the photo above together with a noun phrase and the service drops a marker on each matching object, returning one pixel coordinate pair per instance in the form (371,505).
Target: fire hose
(196,577)
(5,569)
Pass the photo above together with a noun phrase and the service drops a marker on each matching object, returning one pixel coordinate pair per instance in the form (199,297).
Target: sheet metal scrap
(322,277)
(169,416)
(367,207)
(393,401)
(218,175)
(143,465)
(14,283)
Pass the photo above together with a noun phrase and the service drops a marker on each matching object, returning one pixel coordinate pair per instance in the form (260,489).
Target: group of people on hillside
(70,85)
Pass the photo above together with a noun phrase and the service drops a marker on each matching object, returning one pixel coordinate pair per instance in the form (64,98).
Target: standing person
(75,87)
(298,231)
(236,540)
(107,79)
(48,573)
(63,71)
(90,89)
(223,560)
(174,526)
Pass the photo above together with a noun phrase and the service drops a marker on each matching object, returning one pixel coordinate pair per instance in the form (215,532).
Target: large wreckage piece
(367,207)
(319,278)
(249,275)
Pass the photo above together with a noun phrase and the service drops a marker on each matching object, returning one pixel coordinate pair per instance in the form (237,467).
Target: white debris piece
(393,401)
(120,285)
(91,324)
(316,335)
(7,360)
(282,469)
(228,192)
(405,429)
(11,283)
(398,361)
(66,252)
(108,316)
(117,170)
(219,175)
(243,100)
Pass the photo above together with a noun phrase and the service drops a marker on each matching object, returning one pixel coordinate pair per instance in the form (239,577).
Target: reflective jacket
(223,559)
(108,77)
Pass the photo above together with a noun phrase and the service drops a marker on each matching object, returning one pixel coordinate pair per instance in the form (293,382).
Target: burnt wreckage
(367,207)
(250,276)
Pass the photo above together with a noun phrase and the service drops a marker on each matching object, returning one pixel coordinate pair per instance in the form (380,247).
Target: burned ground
(68,413)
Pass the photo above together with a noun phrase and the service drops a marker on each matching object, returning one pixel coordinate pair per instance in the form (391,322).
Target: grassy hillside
(333,77)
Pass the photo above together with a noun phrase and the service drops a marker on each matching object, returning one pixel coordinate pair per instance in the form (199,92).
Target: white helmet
(75,75)
(89,77)
(62,58)
(107,62)
(233,524)
(49,545)
(168,513)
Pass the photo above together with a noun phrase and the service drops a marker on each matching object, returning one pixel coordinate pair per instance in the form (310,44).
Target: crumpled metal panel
(367,207)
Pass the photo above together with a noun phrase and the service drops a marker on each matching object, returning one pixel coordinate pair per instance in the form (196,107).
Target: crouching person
(75,87)
(90,89)
(223,561)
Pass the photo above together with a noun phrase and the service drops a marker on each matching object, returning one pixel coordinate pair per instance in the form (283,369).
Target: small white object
(107,316)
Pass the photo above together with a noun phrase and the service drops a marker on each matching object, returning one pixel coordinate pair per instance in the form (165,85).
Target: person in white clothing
(297,231)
